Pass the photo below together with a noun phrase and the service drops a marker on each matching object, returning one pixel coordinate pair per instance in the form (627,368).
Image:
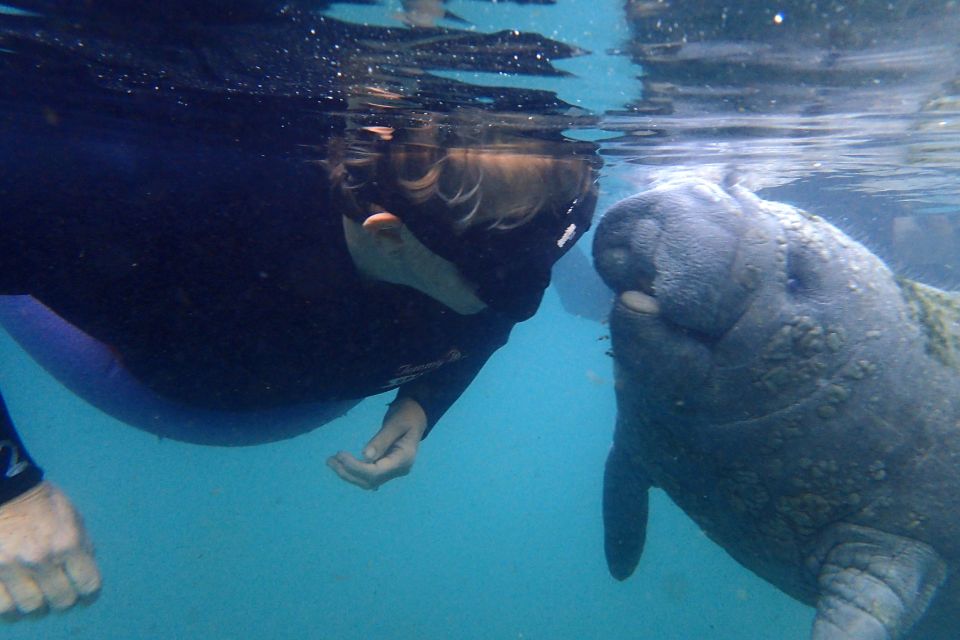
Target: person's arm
(417,408)
(436,392)
(20,472)
(46,560)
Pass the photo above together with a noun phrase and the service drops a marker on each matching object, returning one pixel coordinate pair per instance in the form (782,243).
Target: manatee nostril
(612,264)
(623,270)
(616,257)
(624,248)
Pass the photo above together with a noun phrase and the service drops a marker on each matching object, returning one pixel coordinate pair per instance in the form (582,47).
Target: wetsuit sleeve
(18,472)
(437,391)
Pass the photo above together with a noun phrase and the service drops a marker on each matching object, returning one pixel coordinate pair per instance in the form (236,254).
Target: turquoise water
(495,535)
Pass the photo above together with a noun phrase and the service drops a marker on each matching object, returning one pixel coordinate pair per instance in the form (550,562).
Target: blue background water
(495,535)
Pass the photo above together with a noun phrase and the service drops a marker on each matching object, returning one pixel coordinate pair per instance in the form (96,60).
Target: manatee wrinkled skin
(794,398)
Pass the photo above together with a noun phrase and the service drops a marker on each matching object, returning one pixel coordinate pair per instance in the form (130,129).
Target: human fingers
(403,425)
(345,466)
(56,587)
(7,605)
(370,475)
(82,570)
(397,462)
(45,555)
(23,589)
(380,444)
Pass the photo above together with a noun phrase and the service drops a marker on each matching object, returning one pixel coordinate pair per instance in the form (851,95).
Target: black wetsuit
(217,271)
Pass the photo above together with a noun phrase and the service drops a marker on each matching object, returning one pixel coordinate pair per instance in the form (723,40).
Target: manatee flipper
(625,506)
(874,585)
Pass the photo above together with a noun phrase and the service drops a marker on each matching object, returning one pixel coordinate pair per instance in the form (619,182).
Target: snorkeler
(209,293)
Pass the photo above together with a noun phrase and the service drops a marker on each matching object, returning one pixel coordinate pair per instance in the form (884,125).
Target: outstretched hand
(390,454)
(46,560)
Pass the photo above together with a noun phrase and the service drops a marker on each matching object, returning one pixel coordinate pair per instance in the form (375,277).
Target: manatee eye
(801,271)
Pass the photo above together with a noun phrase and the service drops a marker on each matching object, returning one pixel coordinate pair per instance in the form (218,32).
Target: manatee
(794,397)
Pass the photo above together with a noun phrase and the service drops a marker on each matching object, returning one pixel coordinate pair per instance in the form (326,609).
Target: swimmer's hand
(46,560)
(390,453)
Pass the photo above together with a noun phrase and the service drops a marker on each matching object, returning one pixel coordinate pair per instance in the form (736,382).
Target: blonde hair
(499,185)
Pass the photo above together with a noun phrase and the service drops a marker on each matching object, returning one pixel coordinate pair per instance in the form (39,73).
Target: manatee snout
(686,252)
(625,245)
